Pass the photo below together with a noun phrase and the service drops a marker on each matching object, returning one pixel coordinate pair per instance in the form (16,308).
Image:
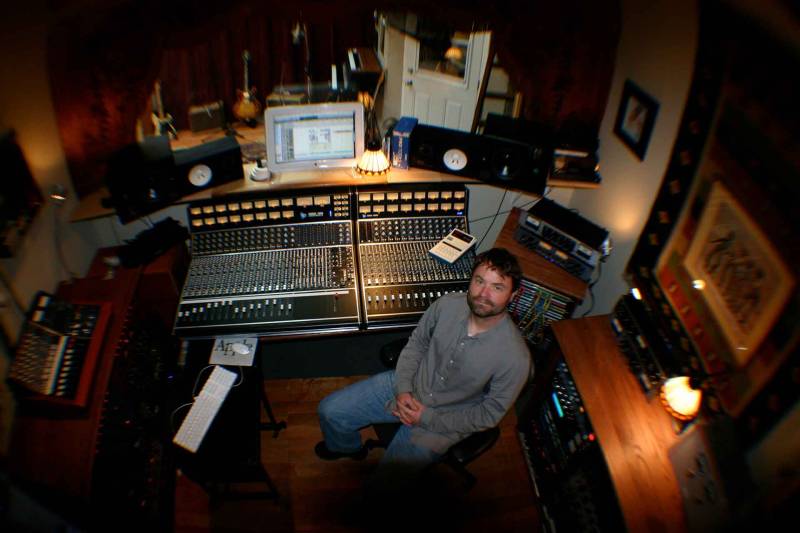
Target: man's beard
(483,312)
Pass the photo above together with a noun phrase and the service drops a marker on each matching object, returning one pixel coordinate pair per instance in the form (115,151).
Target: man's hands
(408,410)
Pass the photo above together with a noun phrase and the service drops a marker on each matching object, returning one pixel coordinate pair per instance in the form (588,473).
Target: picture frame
(745,281)
(635,118)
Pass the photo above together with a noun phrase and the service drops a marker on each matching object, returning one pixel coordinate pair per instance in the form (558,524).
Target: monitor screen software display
(314,136)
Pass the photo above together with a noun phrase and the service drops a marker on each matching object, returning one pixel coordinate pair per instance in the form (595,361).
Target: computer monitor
(314,136)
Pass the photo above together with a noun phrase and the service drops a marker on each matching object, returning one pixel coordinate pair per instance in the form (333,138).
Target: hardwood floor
(325,496)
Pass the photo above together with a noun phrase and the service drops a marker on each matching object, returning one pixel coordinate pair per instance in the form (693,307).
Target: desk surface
(634,433)
(90,207)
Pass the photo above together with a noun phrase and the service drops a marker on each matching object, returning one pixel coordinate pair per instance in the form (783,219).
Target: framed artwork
(635,118)
(717,262)
(738,272)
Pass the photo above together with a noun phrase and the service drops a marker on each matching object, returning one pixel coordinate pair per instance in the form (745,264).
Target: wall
(26,106)
(657,46)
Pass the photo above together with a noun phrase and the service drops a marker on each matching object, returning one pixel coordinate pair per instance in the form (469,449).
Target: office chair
(460,454)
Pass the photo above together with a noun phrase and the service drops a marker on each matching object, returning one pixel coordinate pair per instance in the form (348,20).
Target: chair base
(457,457)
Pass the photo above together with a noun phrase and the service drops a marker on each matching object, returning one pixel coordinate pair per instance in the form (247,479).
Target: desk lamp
(373,162)
(681,397)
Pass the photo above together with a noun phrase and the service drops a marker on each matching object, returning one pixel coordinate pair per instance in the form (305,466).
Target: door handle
(409,83)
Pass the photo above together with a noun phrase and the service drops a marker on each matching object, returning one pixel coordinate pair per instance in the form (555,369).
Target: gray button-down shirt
(467,384)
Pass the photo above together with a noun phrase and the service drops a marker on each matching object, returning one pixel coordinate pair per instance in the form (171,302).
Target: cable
(114,230)
(197,380)
(500,205)
(172,416)
(57,235)
(591,286)
(239,371)
(521,206)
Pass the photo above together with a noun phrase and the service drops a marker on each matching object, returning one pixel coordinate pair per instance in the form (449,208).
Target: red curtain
(103,60)
(209,66)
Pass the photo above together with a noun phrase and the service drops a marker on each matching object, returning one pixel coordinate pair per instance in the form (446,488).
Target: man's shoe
(323,452)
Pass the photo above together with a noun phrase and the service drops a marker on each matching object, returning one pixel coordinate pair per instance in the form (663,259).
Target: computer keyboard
(206,405)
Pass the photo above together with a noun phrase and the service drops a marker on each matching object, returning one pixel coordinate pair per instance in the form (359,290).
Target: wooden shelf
(90,207)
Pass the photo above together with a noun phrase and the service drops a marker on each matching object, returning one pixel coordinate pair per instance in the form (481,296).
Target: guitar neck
(246,58)
(159,104)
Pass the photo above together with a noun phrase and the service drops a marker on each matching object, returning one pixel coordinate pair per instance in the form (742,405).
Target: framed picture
(635,118)
(742,278)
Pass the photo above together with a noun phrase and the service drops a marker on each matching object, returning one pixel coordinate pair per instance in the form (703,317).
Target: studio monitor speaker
(139,178)
(492,160)
(208,165)
(149,176)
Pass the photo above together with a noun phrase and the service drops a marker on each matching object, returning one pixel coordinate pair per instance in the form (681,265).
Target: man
(461,371)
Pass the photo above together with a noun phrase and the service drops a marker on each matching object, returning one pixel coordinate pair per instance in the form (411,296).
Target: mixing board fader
(270,264)
(396,228)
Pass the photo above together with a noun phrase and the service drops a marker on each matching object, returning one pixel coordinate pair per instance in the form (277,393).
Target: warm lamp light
(58,194)
(373,163)
(680,398)
(454,53)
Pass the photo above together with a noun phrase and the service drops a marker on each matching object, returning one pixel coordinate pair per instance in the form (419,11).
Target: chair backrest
(390,351)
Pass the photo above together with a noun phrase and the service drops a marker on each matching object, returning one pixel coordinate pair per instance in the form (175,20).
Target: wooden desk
(57,453)
(634,433)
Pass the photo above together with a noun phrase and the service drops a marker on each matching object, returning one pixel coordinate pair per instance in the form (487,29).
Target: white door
(441,88)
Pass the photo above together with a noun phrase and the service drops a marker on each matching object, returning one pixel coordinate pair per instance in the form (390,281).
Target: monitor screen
(314,136)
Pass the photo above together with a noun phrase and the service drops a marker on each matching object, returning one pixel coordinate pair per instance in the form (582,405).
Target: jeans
(344,412)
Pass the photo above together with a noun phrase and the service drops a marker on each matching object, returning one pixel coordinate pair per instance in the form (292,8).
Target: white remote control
(453,246)
(205,407)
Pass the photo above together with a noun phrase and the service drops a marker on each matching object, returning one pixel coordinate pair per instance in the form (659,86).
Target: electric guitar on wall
(247,108)
(163,123)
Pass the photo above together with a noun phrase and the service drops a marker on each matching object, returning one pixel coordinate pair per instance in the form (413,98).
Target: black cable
(499,206)
(57,235)
(591,286)
(526,204)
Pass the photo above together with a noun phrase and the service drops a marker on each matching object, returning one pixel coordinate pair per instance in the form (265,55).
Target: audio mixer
(271,264)
(396,228)
(312,260)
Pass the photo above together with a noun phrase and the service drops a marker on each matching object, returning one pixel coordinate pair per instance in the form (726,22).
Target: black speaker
(490,159)
(149,176)
(208,165)
(140,178)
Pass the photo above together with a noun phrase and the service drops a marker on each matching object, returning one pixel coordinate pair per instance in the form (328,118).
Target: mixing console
(270,264)
(396,228)
(58,348)
(292,262)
